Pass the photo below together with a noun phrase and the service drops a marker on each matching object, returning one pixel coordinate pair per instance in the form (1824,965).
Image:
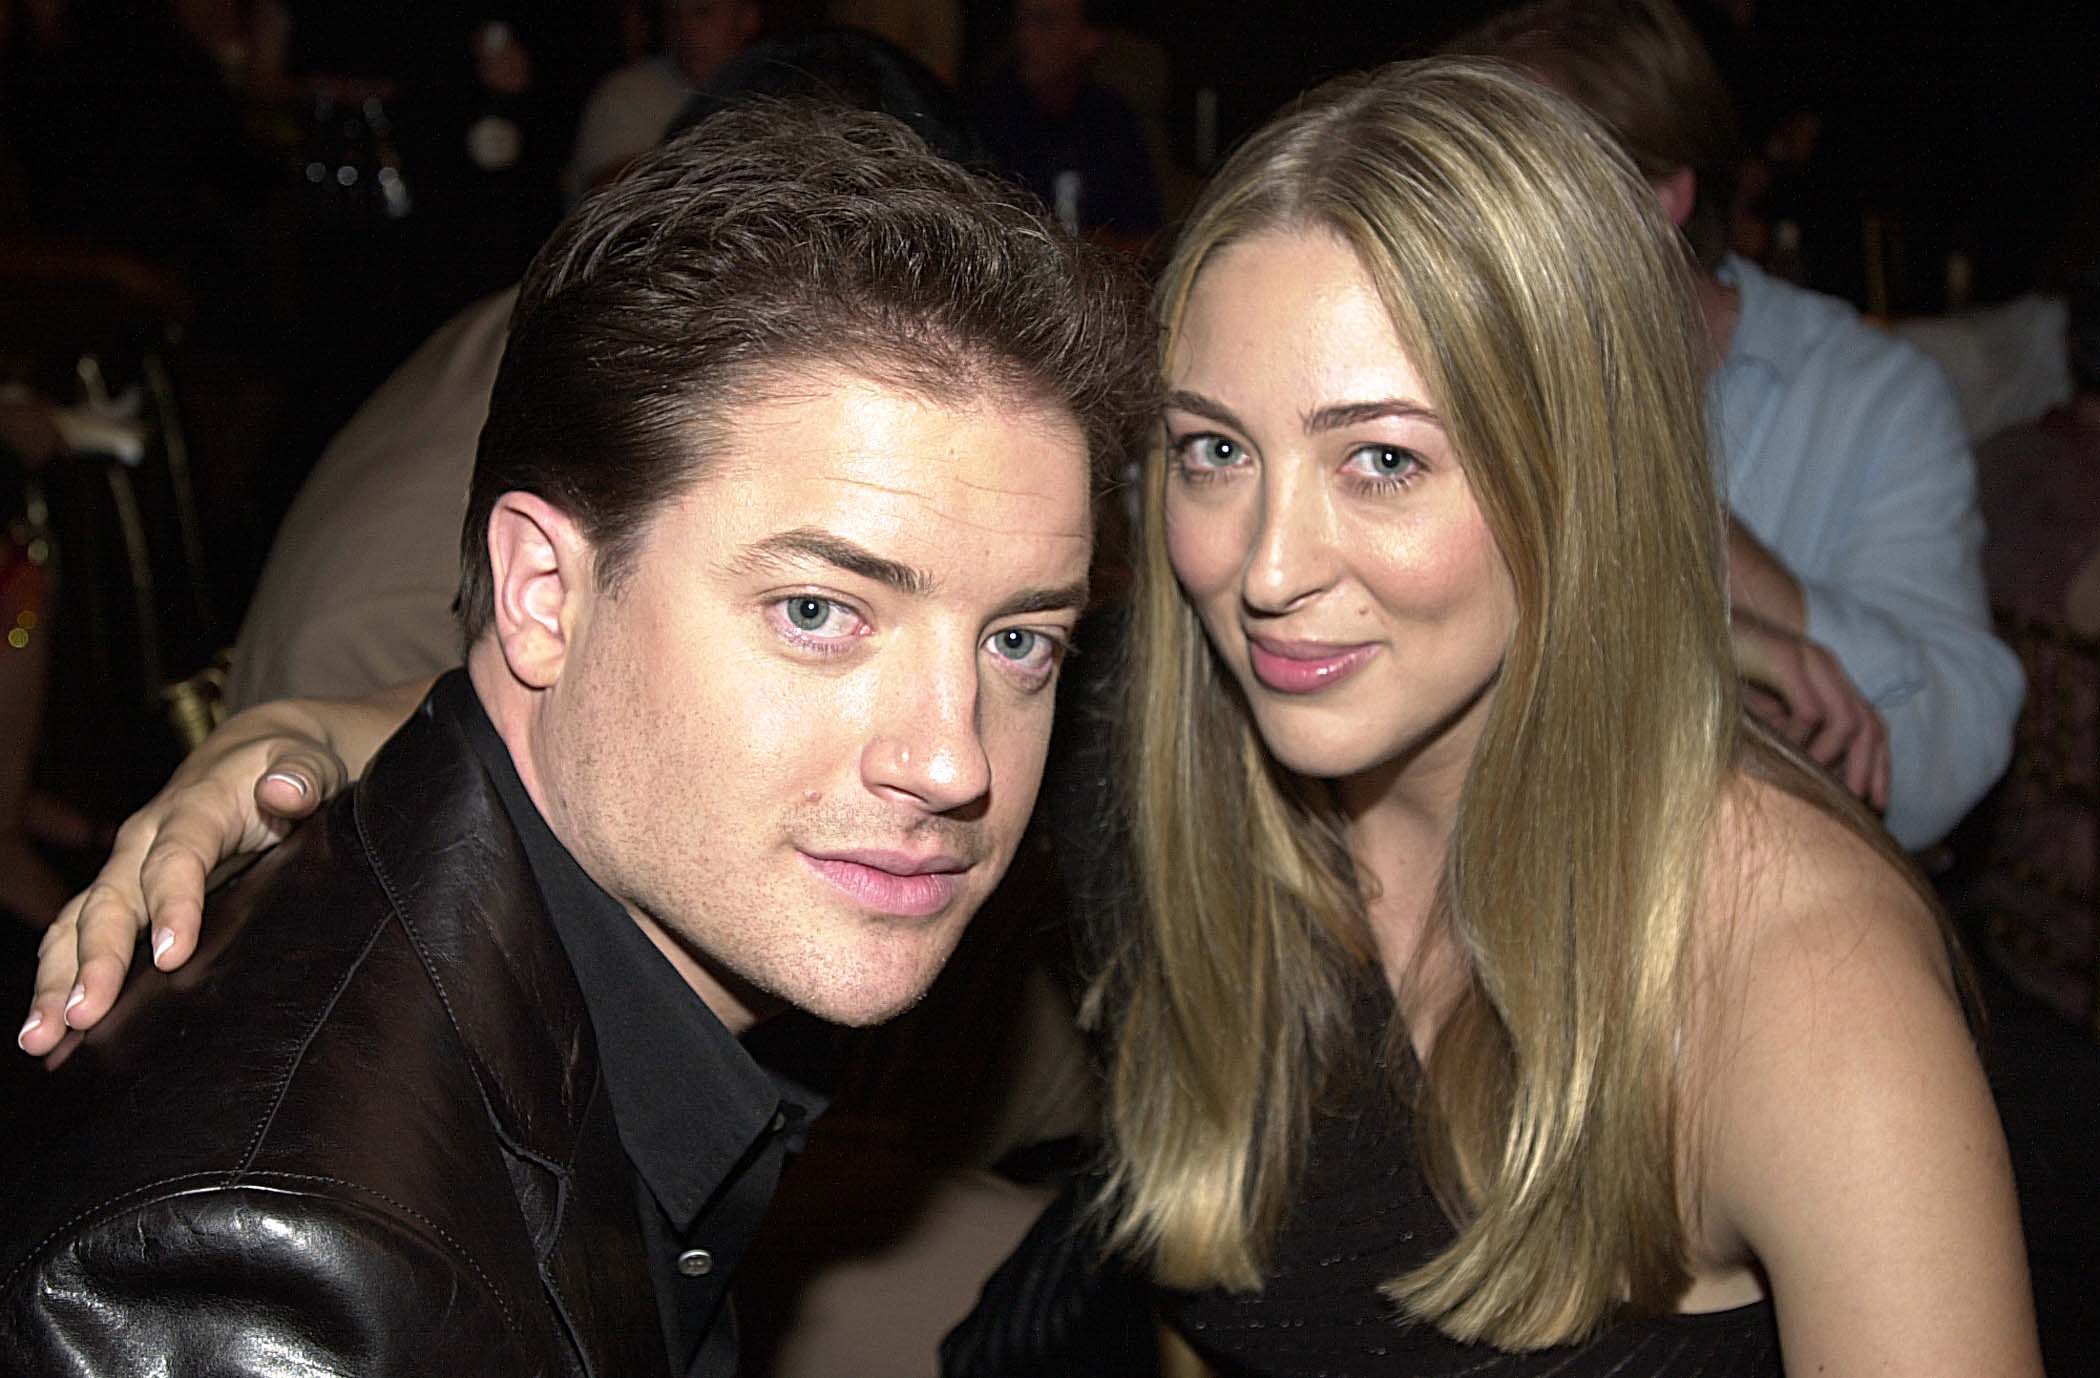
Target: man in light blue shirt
(1845,459)
(1855,545)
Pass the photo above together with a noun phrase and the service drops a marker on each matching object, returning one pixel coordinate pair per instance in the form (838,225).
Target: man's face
(801,739)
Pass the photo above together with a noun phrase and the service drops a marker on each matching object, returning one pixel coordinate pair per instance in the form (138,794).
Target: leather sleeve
(1060,1307)
(299,1278)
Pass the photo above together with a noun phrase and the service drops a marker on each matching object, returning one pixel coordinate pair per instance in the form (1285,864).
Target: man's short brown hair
(1639,66)
(772,236)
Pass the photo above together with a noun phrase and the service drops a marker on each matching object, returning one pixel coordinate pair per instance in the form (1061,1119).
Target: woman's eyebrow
(1342,414)
(1180,399)
(1332,417)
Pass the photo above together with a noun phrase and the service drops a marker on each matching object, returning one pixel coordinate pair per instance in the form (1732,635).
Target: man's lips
(900,883)
(1304,667)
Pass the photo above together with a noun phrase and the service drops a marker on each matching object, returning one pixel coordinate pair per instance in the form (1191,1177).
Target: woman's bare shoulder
(1847,1136)
(1792,891)
(1813,947)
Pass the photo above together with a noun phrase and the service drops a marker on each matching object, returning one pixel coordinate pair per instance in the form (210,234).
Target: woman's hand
(251,782)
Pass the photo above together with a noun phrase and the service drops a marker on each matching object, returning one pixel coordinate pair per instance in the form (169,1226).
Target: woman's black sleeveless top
(1365,1215)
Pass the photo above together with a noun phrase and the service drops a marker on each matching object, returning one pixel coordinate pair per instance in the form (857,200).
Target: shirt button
(696,1263)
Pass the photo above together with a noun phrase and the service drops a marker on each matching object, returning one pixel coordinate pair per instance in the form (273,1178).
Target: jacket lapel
(456,873)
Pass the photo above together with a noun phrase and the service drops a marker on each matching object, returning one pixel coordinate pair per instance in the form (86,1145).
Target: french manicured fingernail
(162,941)
(79,994)
(29,1026)
(296,782)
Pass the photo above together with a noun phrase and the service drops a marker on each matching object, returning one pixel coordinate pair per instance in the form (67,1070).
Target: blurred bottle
(496,131)
(352,167)
(390,182)
(1960,280)
(1784,260)
(1066,189)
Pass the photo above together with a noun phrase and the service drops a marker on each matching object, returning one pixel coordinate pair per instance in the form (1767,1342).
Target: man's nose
(1293,559)
(927,749)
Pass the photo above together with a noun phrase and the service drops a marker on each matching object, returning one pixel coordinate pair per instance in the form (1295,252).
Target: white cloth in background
(357,592)
(2008,364)
(625,116)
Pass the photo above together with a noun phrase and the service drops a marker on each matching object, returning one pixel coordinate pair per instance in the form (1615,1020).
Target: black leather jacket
(362,1132)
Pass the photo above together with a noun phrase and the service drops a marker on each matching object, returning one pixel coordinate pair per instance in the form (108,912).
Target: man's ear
(540,566)
(1679,192)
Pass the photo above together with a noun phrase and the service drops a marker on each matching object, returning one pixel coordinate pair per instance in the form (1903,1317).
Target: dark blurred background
(240,215)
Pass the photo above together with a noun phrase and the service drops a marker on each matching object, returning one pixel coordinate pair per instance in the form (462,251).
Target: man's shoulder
(277,1044)
(314,1036)
(1820,342)
(373,1039)
(269,1274)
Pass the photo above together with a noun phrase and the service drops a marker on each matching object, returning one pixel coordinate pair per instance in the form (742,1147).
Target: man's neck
(1719,307)
(516,711)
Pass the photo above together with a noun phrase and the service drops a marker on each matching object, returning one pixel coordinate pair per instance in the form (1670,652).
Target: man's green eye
(808,614)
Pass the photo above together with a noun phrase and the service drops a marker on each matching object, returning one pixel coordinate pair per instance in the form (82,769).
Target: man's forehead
(899,439)
(988,486)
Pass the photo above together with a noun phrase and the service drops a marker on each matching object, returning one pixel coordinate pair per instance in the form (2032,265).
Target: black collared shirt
(706,1128)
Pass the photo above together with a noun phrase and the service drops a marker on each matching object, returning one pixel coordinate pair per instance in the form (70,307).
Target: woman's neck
(1398,840)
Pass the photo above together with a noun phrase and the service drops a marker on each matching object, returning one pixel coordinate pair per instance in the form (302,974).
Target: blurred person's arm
(1856,479)
(1800,690)
(1901,603)
(1759,583)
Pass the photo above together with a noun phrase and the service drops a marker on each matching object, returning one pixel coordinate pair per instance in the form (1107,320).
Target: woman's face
(1320,523)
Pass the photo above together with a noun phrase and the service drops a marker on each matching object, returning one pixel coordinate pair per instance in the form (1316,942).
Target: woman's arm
(1853,1148)
(250,783)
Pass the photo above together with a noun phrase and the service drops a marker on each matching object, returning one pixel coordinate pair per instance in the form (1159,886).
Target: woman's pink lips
(1304,667)
(914,895)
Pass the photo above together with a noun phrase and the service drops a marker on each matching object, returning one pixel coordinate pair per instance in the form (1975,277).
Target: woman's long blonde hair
(1547,305)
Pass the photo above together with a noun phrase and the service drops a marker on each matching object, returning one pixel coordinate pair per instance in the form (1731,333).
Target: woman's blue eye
(1215,450)
(1386,461)
(808,614)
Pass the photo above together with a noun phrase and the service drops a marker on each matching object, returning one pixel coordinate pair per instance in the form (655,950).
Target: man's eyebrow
(814,543)
(1069,596)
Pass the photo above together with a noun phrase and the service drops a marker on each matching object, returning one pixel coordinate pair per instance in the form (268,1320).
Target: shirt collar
(1762,336)
(689,1101)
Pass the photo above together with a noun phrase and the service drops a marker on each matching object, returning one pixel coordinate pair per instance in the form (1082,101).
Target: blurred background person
(1072,139)
(1855,542)
(628,112)
(930,30)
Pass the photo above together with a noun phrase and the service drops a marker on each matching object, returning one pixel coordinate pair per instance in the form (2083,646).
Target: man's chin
(887,979)
(862,1005)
